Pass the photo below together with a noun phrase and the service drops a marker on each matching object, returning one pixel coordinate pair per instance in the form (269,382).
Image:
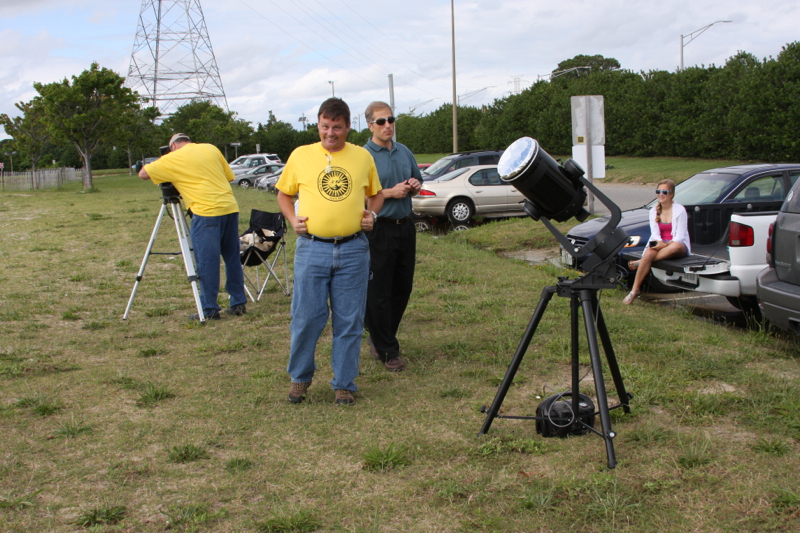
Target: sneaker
(236,310)
(372,349)
(297,392)
(395,365)
(344,397)
(213,315)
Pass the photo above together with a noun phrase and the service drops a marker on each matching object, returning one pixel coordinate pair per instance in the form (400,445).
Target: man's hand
(415,185)
(401,190)
(299,225)
(367,220)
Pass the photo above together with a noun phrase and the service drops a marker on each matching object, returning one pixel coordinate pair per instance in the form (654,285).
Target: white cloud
(280,56)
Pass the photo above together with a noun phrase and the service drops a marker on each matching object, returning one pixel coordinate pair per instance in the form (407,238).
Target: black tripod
(171,197)
(582,293)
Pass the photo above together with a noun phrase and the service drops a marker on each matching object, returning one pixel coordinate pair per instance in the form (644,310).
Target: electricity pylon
(172,62)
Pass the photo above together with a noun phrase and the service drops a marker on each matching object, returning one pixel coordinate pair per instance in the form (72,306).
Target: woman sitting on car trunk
(669,236)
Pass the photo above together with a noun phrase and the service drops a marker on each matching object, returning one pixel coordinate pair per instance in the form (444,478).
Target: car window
(762,189)
(488,159)
(465,162)
(440,165)
(793,175)
(451,175)
(239,161)
(705,188)
(792,203)
(485,177)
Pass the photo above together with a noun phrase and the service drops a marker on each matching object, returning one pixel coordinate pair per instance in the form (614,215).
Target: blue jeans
(212,237)
(329,273)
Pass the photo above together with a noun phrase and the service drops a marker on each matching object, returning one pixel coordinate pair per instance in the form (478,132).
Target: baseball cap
(179,137)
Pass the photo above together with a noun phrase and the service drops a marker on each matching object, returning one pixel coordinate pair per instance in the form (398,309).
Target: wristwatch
(374,215)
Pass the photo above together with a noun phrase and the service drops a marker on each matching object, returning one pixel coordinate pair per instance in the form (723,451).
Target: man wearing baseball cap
(202,176)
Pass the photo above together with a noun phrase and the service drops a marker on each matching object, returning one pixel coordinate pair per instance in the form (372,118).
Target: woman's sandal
(631,297)
(633,265)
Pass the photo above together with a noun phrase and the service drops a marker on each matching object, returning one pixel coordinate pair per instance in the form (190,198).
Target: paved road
(624,195)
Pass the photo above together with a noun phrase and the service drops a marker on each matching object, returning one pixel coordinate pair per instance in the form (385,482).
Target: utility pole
(455,97)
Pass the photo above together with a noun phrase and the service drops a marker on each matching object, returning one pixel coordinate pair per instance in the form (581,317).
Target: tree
(140,137)
(596,63)
(205,122)
(29,131)
(88,112)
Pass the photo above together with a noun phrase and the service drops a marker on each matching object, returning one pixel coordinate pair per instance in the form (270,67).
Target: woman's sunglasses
(382,121)
(662,191)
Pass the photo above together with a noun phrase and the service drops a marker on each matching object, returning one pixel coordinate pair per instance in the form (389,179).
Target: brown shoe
(297,392)
(344,397)
(395,365)
(372,349)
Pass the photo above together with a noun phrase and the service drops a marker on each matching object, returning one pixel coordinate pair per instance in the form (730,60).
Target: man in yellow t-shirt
(331,262)
(202,176)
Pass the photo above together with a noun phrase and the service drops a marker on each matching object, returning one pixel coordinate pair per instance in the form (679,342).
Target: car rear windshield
(451,175)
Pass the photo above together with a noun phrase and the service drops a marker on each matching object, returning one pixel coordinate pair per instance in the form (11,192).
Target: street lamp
(473,93)
(333,93)
(695,34)
(357,118)
(11,155)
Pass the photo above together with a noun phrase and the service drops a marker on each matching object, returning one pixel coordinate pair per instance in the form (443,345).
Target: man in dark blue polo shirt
(393,240)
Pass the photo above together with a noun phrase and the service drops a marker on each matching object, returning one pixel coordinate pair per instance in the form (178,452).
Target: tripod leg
(624,397)
(147,252)
(576,369)
(185,239)
(597,368)
(547,294)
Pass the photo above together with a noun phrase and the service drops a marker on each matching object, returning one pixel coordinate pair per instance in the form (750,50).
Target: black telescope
(555,191)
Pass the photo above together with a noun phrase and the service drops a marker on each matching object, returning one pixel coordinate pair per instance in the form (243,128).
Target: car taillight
(425,192)
(740,235)
(770,237)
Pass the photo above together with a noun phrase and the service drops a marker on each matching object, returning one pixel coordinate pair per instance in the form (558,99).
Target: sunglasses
(662,191)
(382,121)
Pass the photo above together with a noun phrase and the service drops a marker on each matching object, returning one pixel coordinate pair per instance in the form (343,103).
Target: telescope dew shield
(555,192)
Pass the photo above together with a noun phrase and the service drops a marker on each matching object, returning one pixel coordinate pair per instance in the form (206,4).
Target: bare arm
(286,204)
(143,174)
(374,205)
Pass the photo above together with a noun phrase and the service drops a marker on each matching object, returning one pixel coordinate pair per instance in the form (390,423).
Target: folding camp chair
(264,237)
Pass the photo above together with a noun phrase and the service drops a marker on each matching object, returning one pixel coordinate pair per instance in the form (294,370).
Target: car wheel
(460,227)
(244,184)
(460,211)
(422,226)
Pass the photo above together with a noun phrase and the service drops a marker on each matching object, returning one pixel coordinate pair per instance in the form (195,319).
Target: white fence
(41,179)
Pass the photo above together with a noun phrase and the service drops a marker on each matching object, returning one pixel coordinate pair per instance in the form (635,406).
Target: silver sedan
(466,192)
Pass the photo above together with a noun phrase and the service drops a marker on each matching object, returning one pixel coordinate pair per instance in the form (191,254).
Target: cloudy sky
(281,55)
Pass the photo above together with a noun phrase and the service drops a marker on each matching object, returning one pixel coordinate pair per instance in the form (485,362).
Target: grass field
(157,424)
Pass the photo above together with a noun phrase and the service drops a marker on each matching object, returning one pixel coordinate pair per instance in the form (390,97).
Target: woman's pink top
(666,231)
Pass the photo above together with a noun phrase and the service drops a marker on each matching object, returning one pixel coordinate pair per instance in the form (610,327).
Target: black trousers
(392,250)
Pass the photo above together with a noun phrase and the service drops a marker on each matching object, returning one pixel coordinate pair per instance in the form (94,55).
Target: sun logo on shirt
(335,185)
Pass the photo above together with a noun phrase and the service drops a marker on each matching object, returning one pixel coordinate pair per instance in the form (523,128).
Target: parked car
(254,160)
(710,198)
(248,178)
(778,285)
(267,183)
(469,191)
(460,160)
(147,161)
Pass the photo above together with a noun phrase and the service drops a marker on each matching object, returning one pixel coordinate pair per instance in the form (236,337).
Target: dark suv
(460,160)
(778,285)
